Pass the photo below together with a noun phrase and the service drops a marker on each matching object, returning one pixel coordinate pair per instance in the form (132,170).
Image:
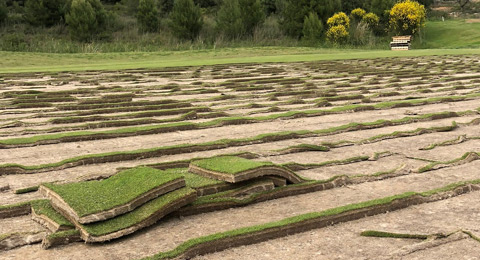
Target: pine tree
(86,19)
(312,28)
(229,19)
(186,19)
(147,16)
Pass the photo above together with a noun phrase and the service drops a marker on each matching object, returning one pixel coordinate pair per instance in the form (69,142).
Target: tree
(407,18)
(186,19)
(463,3)
(312,28)
(147,16)
(86,19)
(293,13)
(44,12)
(3,11)
(381,8)
(350,5)
(251,14)
(229,19)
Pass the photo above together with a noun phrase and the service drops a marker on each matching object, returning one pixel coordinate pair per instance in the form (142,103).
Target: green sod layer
(373,233)
(90,197)
(136,216)
(66,233)
(229,164)
(43,207)
(193,180)
(27,190)
(430,166)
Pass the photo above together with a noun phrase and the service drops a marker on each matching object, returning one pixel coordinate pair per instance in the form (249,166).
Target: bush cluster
(176,22)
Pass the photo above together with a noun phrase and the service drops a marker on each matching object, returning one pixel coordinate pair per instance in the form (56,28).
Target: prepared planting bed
(271,161)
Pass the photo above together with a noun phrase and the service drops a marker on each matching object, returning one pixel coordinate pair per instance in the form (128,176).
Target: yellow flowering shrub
(371,19)
(357,14)
(407,17)
(339,19)
(337,34)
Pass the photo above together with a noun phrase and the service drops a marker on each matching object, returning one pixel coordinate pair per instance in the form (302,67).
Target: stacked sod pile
(243,177)
(117,206)
(102,210)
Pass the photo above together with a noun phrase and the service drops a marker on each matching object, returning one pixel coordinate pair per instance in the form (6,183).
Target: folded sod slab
(46,215)
(234,169)
(93,201)
(145,215)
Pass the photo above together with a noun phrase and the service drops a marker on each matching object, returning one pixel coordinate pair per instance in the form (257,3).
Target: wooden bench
(401,43)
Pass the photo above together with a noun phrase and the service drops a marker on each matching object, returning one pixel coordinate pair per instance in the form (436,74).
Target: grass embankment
(452,34)
(275,227)
(90,197)
(224,143)
(142,130)
(14,62)
(229,164)
(138,215)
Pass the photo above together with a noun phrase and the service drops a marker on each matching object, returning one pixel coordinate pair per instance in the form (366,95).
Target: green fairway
(12,62)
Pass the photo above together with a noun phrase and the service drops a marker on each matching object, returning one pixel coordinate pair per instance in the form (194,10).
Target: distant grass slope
(451,34)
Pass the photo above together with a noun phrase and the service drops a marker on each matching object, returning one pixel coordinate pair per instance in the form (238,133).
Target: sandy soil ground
(336,242)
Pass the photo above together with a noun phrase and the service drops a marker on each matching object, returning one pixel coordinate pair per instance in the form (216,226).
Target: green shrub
(86,19)
(44,12)
(312,28)
(3,11)
(382,9)
(186,19)
(293,13)
(147,16)
(238,18)
(229,19)
(251,14)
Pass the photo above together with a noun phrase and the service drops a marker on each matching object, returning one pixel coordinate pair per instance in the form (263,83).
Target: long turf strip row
(466,158)
(301,223)
(219,144)
(181,126)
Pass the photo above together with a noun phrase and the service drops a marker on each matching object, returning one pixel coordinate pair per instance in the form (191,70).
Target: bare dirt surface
(344,241)
(428,85)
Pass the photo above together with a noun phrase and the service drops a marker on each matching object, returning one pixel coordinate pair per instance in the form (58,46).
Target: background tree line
(206,21)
